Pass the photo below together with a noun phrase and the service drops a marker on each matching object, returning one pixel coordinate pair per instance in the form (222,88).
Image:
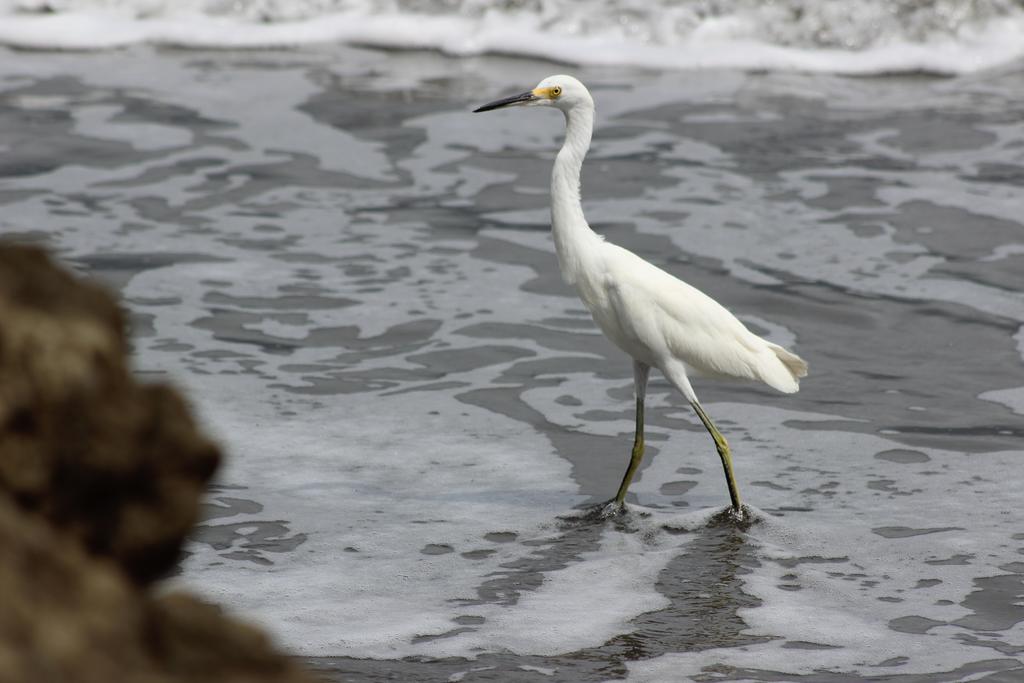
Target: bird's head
(563,92)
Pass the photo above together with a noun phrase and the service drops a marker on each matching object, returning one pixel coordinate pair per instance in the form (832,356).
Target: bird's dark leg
(723,452)
(636,456)
(640,374)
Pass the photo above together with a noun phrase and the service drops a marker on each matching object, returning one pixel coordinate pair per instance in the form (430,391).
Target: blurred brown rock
(69,617)
(100,480)
(117,464)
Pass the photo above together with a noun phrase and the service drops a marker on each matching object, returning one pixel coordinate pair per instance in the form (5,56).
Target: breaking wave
(836,36)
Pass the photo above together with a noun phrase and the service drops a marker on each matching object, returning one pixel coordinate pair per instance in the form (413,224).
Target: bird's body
(662,321)
(656,318)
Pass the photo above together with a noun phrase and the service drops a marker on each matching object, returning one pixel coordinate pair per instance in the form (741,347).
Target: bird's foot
(742,518)
(597,513)
(605,511)
(613,508)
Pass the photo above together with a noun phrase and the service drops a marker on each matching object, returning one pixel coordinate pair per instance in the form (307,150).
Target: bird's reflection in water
(578,535)
(704,584)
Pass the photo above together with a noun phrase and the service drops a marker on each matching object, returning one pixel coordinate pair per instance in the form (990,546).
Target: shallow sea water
(352,278)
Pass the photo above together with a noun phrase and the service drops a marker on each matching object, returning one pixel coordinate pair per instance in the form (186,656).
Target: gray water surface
(352,278)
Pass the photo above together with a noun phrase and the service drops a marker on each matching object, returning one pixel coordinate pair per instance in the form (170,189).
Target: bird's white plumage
(648,313)
(659,320)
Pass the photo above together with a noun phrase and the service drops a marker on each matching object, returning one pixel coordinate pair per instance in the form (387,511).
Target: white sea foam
(807,35)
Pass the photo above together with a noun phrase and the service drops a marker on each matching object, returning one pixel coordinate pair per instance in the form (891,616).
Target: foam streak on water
(868,37)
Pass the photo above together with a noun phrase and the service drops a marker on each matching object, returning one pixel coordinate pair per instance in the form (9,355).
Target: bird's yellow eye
(556,91)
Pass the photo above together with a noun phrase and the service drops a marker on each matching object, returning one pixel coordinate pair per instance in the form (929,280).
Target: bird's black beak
(522,98)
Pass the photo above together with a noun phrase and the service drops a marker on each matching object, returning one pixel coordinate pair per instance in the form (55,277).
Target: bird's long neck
(569,227)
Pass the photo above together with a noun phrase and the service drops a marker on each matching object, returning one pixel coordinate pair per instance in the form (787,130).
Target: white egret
(660,321)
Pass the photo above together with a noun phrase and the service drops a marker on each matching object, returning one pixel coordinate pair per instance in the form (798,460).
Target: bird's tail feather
(795,367)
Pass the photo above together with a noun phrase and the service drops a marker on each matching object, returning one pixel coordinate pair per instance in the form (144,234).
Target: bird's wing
(678,321)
